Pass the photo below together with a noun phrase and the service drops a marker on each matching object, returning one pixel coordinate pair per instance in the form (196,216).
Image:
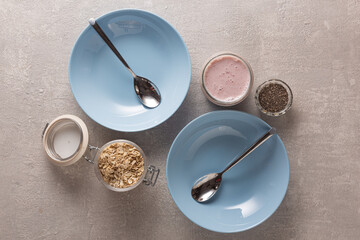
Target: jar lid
(65,140)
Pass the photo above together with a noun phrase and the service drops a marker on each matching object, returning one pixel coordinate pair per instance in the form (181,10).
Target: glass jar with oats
(120,165)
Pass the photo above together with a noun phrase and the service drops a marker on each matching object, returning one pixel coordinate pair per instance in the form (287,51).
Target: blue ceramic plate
(104,88)
(250,192)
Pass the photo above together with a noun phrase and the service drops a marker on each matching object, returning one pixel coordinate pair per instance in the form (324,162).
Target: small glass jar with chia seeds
(274,97)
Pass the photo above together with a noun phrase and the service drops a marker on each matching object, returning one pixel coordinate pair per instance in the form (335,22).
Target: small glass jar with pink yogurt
(227,79)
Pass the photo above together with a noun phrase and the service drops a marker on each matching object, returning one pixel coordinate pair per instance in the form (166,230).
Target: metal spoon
(148,93)
(206,187)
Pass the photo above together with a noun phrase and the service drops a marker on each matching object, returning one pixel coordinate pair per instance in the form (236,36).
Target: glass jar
(101,179)
(267,83)
(66,141)
(225,79)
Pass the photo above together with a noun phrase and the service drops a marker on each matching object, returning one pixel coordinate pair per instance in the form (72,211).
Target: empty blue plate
(250,192)
(104,88)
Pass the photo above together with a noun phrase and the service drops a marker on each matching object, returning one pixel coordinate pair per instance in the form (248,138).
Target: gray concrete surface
(312,45)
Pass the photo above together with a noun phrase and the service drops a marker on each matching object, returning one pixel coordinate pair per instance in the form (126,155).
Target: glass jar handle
(151,175)
(91,158)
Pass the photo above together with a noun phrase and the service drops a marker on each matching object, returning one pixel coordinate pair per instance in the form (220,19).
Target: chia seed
(273,97)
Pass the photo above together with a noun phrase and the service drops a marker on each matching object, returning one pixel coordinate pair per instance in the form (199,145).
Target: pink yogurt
(227,79)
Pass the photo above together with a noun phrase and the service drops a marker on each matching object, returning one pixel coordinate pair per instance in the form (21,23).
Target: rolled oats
(121,165)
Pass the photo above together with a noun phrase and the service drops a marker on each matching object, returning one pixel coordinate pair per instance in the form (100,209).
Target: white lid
(65,140)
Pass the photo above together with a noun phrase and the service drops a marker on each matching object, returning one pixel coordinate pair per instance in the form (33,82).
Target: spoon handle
(98,29)
(263,139)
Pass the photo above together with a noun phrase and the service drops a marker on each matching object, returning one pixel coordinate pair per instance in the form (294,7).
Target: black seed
(273,97)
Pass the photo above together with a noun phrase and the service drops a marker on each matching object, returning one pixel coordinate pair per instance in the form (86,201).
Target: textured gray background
(312,45)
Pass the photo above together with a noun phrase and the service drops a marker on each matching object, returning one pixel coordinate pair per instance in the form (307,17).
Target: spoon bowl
(147,92)
(205,187)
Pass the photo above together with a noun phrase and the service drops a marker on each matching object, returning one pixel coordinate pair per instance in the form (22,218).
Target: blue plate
(250,192)
(104,88)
